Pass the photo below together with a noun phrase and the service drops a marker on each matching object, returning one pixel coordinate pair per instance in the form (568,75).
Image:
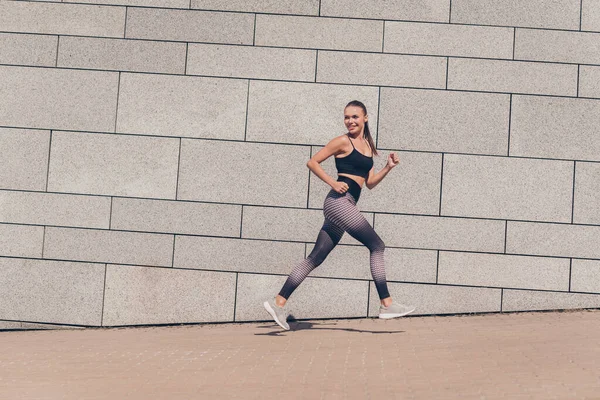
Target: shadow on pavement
(305,325)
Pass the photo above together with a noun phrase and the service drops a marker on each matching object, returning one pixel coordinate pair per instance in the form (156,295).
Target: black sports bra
(354,163)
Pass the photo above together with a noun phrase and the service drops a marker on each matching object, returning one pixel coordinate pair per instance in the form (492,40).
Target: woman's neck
(361,135)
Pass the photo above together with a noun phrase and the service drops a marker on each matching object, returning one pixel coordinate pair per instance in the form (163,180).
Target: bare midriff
(358,179)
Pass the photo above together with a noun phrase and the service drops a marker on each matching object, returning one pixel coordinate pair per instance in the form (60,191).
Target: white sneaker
(278,313)
(394,310)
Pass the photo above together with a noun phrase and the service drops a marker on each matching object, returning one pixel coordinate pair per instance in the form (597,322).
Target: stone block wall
(153,156)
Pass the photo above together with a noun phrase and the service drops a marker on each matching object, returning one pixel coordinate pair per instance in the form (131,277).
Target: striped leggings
(341,215)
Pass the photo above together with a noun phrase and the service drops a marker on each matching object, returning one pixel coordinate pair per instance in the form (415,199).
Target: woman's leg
(328,238)
(342,212)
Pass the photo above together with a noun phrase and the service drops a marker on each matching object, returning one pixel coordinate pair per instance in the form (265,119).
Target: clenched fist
(393,160)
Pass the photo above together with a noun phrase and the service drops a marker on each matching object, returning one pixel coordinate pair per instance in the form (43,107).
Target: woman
(353,154)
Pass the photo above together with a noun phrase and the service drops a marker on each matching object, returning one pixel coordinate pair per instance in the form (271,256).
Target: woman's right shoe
(394,310)
(278,313)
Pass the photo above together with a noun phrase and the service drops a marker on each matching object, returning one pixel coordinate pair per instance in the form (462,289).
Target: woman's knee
(377,246)
(318,255)
(317,259)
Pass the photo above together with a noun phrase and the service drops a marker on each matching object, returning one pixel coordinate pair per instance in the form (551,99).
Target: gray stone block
(302,7)
(51,291)
(589,81)
(58,98)
(118,165)
(381,69)
(281,223)
(35,326)
(411,187)
(21,240)
(141,3)
(24,159)
(63,19)
(507,188)
(143,295)
(10,325)
(428,10)
(448,40)
(312,299)
(559,14)
(176,217)
(55,209)
(190,26)
(560,240)
(411,265)
(304,113)
(441,233)
(318,33)
(587,194)
(182,106)
(241,255)
(585,276)
(512,77)
(400,264)
(348,262)
(122,55)
(555,128)
(251,62)
(35,50)
(281,170)
(439,299)
(524,300)
(497,270)
(444,121)
(109,246)
(590,15)
(557,46)
(287,224)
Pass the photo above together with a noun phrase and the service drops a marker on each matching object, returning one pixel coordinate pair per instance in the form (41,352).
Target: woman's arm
(374,178)
(334,147)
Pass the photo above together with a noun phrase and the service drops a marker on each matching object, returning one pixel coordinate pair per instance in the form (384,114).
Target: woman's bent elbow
(312,164)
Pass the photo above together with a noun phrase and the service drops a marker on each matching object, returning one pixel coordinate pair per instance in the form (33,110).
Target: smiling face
(354,119)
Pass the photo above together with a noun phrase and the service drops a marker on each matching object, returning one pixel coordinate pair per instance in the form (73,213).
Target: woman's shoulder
(341,140)
(338,145)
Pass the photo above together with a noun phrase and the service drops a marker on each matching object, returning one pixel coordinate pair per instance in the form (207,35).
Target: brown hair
(367,132)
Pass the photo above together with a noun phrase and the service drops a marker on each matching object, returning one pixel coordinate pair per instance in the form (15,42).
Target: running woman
(353,154)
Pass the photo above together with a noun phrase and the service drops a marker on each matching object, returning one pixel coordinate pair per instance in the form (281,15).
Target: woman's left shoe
(278,313)
(394,310)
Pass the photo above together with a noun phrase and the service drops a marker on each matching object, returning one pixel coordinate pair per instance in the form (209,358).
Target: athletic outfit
(342,215)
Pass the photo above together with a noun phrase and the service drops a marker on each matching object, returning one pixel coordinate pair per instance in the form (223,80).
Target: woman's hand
(340,187)
(393,160)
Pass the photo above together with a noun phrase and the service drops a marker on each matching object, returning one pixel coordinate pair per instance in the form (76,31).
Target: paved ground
(508,356)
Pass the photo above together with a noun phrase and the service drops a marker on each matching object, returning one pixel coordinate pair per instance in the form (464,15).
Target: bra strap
(351,142)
